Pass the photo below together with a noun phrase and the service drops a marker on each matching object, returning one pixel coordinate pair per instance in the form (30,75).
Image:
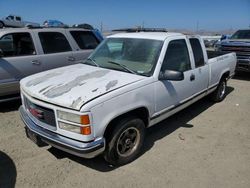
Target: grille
(239,50)
(42,114)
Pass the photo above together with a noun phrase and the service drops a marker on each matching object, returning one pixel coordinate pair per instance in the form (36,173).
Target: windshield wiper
(92,61)
(123,66)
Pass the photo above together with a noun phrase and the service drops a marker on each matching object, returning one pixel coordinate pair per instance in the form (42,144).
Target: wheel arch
(141,112)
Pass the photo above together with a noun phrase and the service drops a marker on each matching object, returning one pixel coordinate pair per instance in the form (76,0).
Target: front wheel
(220,93)
(125,141)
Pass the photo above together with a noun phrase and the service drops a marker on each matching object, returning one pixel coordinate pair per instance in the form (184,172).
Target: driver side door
(171,95)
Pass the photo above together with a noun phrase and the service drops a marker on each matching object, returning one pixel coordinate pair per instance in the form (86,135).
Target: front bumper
(42,136)
(243,65)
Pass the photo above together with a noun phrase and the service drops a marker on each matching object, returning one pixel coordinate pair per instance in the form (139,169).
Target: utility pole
(197,26)
(101,27)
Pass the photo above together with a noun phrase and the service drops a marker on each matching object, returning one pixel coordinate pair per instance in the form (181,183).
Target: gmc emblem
(36,113)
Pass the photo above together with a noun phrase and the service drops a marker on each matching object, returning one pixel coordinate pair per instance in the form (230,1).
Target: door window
(17,44)
(197,51)
(176,57)
(18,18)
(85,39)
(54,42)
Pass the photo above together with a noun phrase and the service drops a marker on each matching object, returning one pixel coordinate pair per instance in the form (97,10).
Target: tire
(1,25)
(125,141)
(220,93)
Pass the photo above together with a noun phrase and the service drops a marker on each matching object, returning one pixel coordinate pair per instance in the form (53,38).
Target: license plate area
(34,138)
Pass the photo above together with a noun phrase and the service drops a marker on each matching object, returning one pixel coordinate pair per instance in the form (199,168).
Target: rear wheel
(220,93)
(125,141)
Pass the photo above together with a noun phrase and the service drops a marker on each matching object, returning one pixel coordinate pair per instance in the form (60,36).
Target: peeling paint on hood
(75,85)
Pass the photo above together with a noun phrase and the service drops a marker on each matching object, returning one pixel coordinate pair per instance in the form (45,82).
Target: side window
(198,53)
(18,18)
(85,39)
(176,57)
(17,44)
(54,42)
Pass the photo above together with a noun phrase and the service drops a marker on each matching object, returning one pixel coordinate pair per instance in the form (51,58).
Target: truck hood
(75,85)
(236,42)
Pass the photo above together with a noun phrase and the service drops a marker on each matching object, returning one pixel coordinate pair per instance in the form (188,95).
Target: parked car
(90,27)
(54,23)
(27,51)
(15,21)
(239,42)
(84,26)
(130,82)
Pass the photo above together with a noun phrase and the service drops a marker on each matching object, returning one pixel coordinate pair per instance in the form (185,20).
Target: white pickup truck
(130,82)
(16,21)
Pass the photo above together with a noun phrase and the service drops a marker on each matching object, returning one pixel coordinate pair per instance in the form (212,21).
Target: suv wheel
(125,141)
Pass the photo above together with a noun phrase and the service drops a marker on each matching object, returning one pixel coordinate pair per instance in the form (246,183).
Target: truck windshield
(138,56)
(241,34)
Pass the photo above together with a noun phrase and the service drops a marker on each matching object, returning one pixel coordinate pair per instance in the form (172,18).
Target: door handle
(35,62)
(192,77)
(70,58)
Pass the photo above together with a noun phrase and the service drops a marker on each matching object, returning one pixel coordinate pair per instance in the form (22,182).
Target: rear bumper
(81,149)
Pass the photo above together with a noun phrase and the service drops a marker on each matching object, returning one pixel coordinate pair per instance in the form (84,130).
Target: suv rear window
(85,39)
(54,42)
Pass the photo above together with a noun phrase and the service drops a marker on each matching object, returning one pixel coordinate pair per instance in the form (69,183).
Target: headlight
(75,118)
(86,130)
(74,123)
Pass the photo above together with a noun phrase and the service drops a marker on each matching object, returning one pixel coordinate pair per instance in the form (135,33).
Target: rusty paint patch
(78,81)
(76,102)
(41,79)
(111,84)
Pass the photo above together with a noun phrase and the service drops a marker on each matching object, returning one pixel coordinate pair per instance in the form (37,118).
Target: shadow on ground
(154,133)
(10,106)
(7,171)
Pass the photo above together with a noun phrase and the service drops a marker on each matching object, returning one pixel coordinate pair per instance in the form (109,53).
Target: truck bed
(211,54)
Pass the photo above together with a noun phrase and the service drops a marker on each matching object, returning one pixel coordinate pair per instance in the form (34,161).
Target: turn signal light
(85,120)
(86,130)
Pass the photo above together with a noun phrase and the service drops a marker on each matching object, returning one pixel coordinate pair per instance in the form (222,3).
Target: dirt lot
(205,145)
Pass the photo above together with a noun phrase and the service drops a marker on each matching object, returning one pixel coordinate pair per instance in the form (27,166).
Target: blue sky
(174,14)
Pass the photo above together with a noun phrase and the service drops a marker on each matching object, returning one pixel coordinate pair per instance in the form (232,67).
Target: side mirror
(171,75)
(1,53)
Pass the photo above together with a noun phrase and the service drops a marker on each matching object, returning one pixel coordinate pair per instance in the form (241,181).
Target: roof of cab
(146,35)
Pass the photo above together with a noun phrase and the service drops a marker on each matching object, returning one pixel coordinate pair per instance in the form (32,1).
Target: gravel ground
(205,145)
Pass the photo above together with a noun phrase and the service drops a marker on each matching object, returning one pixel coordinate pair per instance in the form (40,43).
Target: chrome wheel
(222,90)
(128,142)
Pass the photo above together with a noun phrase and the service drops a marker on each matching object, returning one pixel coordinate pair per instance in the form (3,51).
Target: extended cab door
(84,42)
(170,95)
(201,68)
(55,50)
(19,59)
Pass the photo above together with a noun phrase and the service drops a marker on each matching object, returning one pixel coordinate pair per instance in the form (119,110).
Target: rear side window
(17,44)
(54,42)
(18,18)
(198,53)
(85,39)
(176,57)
